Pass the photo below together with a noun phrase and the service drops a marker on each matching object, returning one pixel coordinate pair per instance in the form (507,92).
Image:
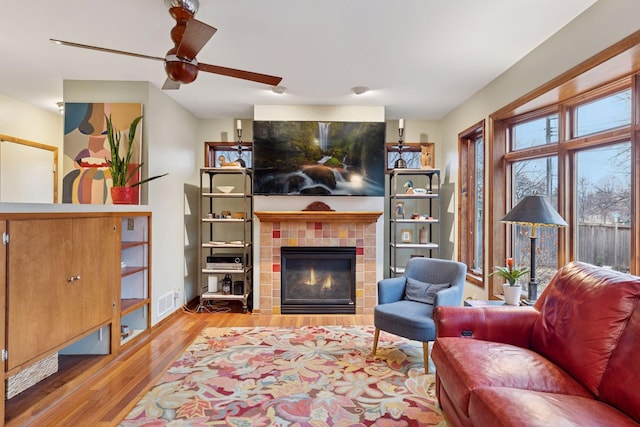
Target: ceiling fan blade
(195,36)
(107,50)
(170,84)
(240,74)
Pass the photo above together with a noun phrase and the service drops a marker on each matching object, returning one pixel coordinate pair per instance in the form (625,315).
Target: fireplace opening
(318,280)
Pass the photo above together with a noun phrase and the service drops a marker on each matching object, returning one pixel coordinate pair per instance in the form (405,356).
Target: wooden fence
(605,244)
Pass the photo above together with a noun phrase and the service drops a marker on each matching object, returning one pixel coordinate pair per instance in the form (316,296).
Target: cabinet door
(38,261)
(94,264)
(61,279)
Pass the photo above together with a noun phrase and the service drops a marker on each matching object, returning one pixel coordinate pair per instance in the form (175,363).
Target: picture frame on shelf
(406,235)
(399,210)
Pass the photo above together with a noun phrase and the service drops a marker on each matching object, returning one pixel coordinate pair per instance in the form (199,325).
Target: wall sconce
(400,163)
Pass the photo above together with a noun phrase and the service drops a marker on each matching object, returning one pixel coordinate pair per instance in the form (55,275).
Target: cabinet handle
(73,278)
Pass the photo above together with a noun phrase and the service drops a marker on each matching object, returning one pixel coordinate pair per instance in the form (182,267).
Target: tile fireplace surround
(317,228)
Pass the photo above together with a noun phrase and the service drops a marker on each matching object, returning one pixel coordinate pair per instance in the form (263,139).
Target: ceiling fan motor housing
(180,70)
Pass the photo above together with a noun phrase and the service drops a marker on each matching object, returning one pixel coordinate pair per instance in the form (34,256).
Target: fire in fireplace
(318,280)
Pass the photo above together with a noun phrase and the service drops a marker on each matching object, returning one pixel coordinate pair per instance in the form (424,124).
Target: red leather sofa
(571,360)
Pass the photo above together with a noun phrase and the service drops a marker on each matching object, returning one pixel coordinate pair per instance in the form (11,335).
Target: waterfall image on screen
(319,158)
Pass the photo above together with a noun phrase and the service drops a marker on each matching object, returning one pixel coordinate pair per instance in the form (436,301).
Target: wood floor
(101,390)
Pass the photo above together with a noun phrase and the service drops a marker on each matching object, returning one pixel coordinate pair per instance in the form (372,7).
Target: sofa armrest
(391,289)
(509,325)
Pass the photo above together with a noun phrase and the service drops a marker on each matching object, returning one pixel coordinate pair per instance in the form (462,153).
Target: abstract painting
(86,150)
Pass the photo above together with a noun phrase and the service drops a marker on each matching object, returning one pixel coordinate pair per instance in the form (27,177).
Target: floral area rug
(309,376)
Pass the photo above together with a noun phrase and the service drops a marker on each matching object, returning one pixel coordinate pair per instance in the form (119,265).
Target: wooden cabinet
(60,282)
(414,216)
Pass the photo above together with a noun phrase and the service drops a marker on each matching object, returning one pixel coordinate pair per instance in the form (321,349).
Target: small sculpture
(224,163)
(408,186)
(425,158)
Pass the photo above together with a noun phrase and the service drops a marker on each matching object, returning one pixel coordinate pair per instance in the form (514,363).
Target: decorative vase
(511,294)
(122,195)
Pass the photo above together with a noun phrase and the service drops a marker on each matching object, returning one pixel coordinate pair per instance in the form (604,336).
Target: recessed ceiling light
(359,90)
(279,89)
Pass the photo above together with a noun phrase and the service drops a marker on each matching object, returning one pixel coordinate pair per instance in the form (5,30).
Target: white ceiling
(420,58)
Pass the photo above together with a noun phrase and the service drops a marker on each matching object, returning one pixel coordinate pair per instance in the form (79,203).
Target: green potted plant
(511,274)
(120,167)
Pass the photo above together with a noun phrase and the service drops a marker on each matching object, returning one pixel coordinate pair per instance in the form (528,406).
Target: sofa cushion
(470,364)
(584,311)
(502,407)
(418,291)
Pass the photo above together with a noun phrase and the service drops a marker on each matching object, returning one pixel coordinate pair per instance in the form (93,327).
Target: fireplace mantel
(317,216)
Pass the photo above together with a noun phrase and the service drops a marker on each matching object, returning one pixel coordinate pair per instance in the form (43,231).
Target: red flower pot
(122,195)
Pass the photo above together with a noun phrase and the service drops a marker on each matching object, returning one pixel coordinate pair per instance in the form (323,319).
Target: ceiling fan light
(189,5)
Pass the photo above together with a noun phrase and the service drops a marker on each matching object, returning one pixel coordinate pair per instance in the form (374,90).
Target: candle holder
(240,161)
(400,163)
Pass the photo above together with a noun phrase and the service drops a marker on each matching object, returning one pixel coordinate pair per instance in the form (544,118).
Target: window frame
(467,201)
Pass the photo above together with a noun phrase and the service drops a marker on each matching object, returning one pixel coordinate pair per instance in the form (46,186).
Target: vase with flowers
(511,274)
(120,167)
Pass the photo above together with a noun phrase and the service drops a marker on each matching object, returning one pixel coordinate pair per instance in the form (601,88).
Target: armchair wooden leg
(425,355)
(376,334)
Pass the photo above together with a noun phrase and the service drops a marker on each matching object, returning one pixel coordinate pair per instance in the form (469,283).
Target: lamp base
(533,293)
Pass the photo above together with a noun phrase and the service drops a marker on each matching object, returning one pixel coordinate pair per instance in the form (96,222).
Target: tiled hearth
(357,229)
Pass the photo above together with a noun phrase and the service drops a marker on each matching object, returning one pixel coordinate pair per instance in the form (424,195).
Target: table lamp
(535,211)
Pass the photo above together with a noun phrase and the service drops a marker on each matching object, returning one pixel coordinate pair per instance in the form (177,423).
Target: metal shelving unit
(414,220)
(226,232)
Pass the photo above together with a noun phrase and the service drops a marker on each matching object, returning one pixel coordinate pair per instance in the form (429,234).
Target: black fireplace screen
(318,280)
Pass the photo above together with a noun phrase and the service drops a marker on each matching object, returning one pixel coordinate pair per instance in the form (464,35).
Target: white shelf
(415,245)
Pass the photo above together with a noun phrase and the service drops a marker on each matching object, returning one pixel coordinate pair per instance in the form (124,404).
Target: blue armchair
(406,303)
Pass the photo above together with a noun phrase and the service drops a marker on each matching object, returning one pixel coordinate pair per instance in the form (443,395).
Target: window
(410,153)
(579,153)
(610,112)
(229,151)
(603,206)
(535,132)
(471,218)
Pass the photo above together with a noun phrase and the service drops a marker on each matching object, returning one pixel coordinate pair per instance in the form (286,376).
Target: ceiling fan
(189,36)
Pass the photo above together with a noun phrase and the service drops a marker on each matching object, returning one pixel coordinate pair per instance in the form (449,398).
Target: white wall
(21,120)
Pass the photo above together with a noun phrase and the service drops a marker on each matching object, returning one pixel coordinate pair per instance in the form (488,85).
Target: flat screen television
(318,158)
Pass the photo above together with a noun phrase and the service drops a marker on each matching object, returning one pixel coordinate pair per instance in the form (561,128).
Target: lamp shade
(534,210)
